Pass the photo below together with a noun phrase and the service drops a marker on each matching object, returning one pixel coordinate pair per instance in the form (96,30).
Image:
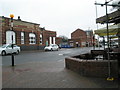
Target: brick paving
(49,74)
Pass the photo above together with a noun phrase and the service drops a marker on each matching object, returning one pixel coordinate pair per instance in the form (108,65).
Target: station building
(27,35)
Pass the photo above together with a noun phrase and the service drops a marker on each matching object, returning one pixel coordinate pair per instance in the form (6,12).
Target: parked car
(51,47)
(7,49)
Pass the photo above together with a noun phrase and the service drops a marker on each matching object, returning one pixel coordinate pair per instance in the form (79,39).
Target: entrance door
(9,37)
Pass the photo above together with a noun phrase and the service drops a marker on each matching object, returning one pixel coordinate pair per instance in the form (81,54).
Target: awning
(113,30)
(113,17)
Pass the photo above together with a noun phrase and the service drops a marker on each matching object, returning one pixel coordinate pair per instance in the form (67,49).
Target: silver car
(51,47)
(7,49)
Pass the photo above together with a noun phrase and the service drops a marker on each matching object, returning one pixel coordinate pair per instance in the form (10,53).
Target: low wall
(94,68)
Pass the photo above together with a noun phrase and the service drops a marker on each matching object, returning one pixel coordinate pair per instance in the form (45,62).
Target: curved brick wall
(94,68)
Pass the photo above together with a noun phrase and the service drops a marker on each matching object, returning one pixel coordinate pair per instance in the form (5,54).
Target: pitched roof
(20,20)
(77,30)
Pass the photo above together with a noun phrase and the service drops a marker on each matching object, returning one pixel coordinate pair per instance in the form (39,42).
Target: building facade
(81,38)
(90,38)
(49,37)
(59,41)
(27,35)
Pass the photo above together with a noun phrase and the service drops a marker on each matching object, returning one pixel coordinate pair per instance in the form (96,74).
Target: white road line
(60,54)
(59,60)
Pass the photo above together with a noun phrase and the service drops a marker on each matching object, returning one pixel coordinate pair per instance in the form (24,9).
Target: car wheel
(51,49)
(3,53)
(17,52)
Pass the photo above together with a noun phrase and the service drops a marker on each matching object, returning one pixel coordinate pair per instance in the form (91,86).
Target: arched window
(40,38)
(32,38)
(9,37)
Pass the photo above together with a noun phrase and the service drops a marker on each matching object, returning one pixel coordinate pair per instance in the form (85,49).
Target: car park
(51,47)
(7,49)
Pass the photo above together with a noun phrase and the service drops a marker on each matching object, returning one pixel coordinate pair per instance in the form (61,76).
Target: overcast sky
(62,16)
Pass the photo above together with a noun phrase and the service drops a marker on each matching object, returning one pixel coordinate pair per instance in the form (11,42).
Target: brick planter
(94,68)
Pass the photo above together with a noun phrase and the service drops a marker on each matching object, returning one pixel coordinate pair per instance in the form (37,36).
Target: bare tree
(64,38)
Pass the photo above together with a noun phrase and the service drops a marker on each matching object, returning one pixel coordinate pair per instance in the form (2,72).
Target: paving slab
(49,74)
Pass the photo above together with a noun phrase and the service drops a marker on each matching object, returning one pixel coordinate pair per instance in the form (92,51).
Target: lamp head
(11,15)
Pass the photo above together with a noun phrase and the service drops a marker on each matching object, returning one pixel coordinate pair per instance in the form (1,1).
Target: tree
(64,38)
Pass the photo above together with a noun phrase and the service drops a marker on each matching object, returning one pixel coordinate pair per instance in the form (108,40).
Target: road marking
(59,60)
(68,49)
(60,54)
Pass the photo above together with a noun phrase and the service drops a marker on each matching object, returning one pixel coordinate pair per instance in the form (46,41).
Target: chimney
(19,18)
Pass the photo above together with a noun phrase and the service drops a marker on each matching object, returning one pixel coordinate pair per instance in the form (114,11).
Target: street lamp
(12,55)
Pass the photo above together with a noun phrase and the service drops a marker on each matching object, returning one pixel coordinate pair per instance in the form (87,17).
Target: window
(71,44)
(32,38)
(22,37)
(9,46)
(40,38)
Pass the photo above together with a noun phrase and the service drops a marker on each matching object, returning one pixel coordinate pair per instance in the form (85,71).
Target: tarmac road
(29,56)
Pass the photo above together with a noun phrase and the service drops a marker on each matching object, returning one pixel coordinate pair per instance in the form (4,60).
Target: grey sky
(63,16)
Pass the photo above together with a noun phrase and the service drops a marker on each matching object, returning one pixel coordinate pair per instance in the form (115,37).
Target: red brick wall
(91,67)
(78,36)
(58,40)
(47,34)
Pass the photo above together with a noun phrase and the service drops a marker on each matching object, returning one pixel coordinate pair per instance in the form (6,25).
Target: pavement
(50,74)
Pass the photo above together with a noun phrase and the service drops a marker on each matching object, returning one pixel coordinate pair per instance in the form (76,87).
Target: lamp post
(109,66)
(12,55)
(108,44)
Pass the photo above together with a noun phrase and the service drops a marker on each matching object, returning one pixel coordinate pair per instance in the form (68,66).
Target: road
(30,56)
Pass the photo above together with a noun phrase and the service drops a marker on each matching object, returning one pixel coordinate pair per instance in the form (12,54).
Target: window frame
(32,38)
(22,38)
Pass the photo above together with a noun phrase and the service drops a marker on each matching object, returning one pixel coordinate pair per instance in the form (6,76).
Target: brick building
(59,41)
(49,37)
(29,36)
(81,38)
